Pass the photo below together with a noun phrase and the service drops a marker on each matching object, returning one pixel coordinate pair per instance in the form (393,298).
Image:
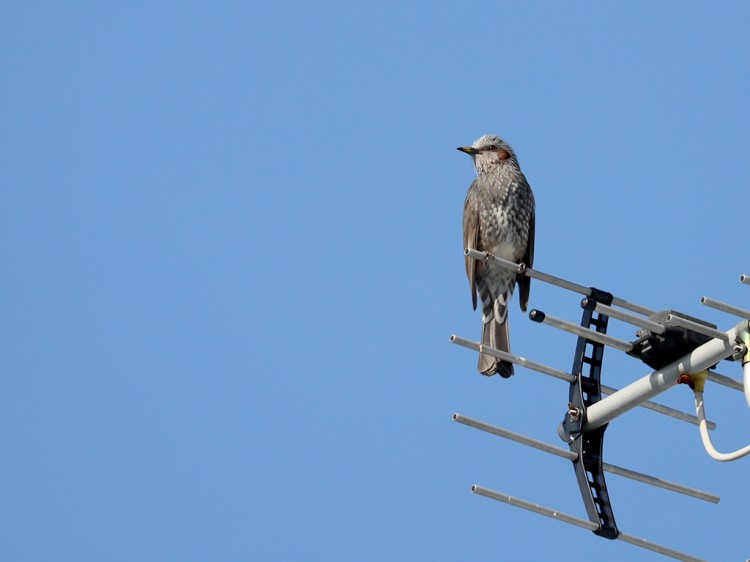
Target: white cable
(706,438)
(744,335)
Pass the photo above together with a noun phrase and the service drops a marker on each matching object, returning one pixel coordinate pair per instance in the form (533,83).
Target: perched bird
(499,219)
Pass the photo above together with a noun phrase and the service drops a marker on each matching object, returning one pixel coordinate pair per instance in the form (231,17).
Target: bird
(499,218)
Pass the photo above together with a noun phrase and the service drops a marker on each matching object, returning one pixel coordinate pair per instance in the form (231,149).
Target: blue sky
(231,237)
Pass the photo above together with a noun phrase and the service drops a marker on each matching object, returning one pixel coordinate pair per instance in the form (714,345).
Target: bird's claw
(522,269)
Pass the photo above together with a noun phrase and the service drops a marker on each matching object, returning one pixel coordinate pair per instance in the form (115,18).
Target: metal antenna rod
(584,524)
(569,378)
(666,410)
(639,321)
(724,307)
(517,359)
(592,335)
(571,456)
(726,381)
(552,280)
(745,279)
(517,437)
(695,327)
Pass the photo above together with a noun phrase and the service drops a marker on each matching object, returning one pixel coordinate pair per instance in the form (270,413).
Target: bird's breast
(504,231)
(503,201)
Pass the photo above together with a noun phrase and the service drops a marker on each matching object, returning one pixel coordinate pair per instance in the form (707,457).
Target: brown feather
(497,336)
(471,240)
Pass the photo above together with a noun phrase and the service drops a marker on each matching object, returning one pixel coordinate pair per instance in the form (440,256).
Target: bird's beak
(468,150)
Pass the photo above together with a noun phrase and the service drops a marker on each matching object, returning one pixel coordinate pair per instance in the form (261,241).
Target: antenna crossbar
(696,327)
(569,378)
(517,359)
(552,280)
(724,307)
(571,456)
(588,333)
(622,315)
(726,381)
(584,524)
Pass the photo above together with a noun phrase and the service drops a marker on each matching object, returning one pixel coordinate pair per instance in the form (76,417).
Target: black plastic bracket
(659,350)
(585,391)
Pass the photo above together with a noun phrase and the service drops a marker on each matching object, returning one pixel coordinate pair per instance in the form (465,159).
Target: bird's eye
(492,147)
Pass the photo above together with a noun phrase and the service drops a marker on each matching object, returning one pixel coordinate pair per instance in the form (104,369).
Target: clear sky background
(232,260)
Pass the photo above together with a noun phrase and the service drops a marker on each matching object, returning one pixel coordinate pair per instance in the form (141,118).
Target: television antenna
(679,349)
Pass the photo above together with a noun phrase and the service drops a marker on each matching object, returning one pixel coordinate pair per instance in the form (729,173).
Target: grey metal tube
(535,507)
(690,325)
(659,483)
(622,303)
(559,282)
(517,437)
(745,279)
(517,359)
(724,380)
(534,274)
(571,456)
(655,327)
(666,551)
(577,329)
(724,307)
(666,410)
(584,524)
(658,381)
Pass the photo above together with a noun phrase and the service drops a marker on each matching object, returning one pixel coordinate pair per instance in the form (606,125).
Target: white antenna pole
(658,381)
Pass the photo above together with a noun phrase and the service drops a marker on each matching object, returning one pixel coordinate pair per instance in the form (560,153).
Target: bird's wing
(524,283)
(471,240)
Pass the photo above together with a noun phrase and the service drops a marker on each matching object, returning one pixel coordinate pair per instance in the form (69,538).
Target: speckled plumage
(498,218)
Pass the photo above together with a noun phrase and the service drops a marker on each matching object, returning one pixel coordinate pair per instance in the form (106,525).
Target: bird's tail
(497,335)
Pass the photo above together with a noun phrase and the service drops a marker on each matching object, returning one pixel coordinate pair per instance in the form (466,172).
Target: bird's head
(488,152)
